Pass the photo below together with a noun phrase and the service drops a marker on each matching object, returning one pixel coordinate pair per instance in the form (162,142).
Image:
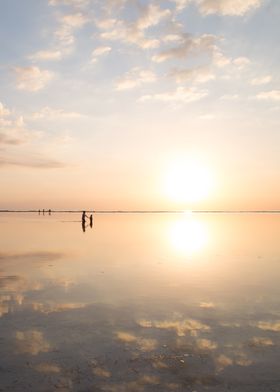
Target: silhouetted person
(50,212)
(39,212)
(43,212)
(90,220)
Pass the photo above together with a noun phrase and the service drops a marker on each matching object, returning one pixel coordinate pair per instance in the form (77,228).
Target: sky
(135,104)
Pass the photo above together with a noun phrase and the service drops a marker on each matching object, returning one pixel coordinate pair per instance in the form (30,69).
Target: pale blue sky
(102,96)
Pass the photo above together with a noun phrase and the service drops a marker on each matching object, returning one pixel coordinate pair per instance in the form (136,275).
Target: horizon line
(223,211)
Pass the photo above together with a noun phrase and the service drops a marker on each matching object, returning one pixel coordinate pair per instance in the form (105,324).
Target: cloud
(101,372)
(189,45)
(181,327)
(64,36)
(241,62)
(31,342)
(227,7)
(118,30)
(260,342)
(219,59)
(47,368)
(196,75)
(181,4)
(38,256)
(223,361)
(134,32)
(74,3)
(70,23)
(269,326)
(142,343)
(48,113)
(50,307)
(4,111)
(99,51)
(12,128)
(207,305)
(47,55)
(273,95)
(181,94)
(32,78)
(151,15)
(36,163)
(7,138)
(135,78)
(261,80)
(206,344)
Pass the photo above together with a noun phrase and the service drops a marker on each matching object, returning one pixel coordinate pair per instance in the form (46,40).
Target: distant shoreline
(148,211)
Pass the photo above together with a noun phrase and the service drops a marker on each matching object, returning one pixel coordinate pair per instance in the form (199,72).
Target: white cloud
(219,59)
(70,23)
(4,111)
(32,78)
(134,32)
(75,3)
(117,30)
(12,128)
(227,7)
(54,114)
(100,51)
(196,75)
(47,55)
(135,78)
(181,4)
(261,80)
(273,95)
(190,45)
(172,38)
(181,95)
(241,62)
(151,15)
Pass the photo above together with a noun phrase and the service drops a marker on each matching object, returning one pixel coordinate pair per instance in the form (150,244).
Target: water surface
(149,302)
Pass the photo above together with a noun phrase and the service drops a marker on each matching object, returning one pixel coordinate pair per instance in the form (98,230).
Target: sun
(188,180)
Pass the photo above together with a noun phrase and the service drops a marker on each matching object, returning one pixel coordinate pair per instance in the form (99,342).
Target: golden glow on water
(159,285)
(188,234)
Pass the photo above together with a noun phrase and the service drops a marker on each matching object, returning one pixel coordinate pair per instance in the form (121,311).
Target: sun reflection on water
(188,235)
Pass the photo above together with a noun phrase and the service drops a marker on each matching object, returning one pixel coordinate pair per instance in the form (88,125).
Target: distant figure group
(84,217)
(43,212)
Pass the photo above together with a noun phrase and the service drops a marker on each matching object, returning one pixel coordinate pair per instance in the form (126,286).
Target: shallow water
(171,302)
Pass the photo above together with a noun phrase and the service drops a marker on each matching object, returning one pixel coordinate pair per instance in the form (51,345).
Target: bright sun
(188,181)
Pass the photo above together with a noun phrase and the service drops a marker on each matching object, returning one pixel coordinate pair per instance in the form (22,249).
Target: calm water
(140,303)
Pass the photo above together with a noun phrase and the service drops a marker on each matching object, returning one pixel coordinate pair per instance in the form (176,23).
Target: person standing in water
(84,216)
(90,220)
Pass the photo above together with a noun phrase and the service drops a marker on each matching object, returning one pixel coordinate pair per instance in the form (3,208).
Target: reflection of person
(84,216)
(84,226)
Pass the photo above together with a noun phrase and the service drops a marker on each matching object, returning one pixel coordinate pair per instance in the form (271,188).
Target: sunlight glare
(188,181)
(188,235)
